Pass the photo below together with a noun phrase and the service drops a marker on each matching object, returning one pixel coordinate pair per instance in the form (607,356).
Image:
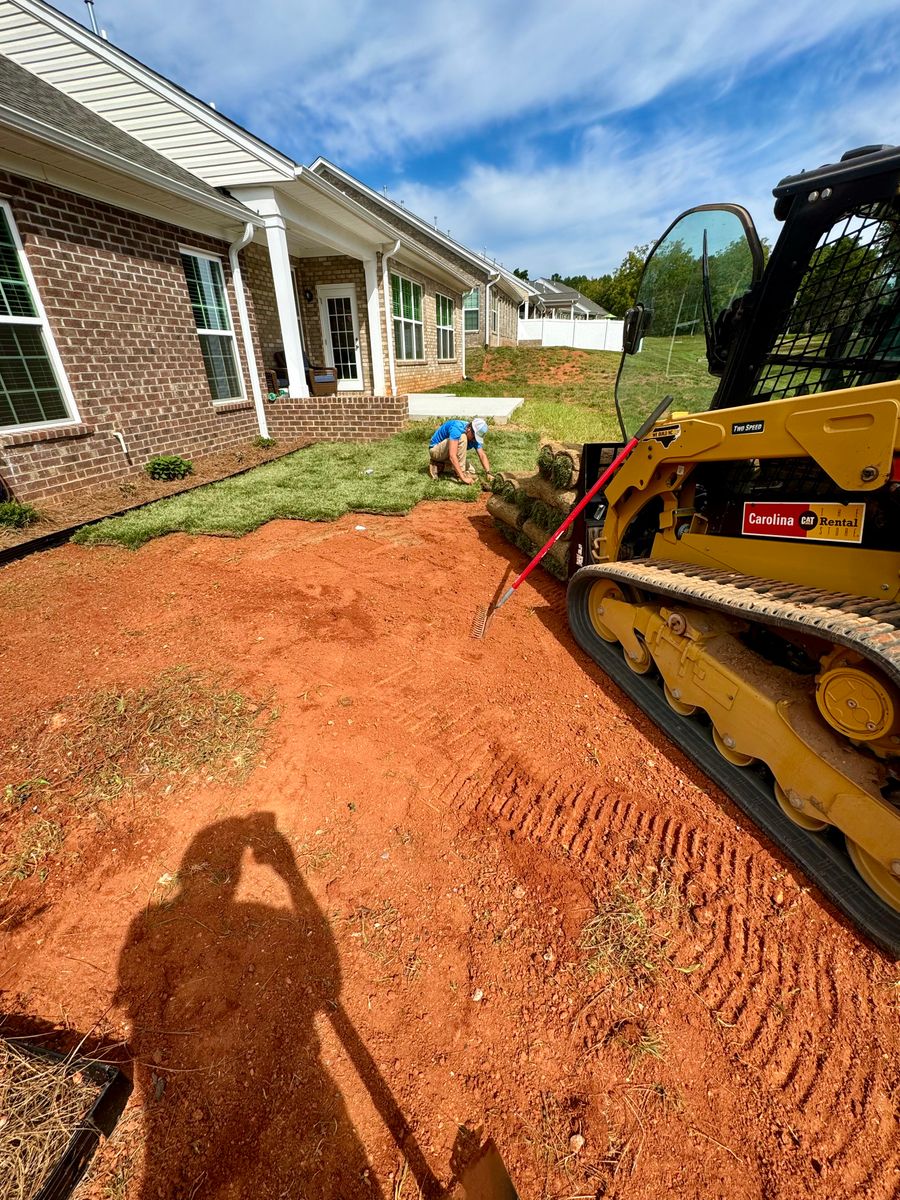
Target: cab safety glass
(670,346)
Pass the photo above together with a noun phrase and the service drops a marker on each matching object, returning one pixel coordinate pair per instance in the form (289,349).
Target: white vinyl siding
(131,97)
(33,388)
(406,304)
(209,301)
(444,320)
(471,310)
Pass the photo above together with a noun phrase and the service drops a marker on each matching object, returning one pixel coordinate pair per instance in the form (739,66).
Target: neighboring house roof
(129,95)
(554,294)
(33,107)
(518,289)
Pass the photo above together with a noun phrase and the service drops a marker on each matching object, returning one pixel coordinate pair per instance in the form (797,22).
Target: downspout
(244,319)
(388,315)
(487,308)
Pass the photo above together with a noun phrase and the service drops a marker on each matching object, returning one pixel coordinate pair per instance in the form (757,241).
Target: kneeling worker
(451,442)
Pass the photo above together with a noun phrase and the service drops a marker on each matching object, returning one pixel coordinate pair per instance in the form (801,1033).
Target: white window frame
(449,331)
(495,314)
(401,345)
(193,252)
(43,325)
(472,308)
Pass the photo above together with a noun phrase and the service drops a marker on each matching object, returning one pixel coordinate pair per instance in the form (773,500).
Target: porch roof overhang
(321,221)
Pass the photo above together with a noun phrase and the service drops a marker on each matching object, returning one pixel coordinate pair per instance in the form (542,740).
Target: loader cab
(714,329)
(675,337)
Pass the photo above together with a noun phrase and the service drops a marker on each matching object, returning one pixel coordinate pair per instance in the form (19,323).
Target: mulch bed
(88,504)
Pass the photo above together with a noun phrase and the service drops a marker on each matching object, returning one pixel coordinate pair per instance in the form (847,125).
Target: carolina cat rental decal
(817,522)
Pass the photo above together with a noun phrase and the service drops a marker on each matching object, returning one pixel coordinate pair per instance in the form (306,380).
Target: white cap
(479,428)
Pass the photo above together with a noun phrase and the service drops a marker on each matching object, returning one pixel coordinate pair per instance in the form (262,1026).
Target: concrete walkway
(427,406)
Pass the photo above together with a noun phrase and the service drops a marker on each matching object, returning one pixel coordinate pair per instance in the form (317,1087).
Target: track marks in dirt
(783,1016)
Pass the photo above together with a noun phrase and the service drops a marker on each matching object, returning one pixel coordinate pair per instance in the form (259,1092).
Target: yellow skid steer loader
(739,577)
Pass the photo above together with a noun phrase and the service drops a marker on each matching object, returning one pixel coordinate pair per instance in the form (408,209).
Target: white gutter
(388,312)
(487,307)
(244,318)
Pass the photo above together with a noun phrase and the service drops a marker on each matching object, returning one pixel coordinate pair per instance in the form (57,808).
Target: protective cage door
(340,334)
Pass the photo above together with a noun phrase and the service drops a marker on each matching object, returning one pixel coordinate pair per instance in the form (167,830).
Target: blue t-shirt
(454,430)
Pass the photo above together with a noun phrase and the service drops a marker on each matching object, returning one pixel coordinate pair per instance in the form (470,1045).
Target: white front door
(340,333)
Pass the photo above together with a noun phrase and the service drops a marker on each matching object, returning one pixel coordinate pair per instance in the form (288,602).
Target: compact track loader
(739,576)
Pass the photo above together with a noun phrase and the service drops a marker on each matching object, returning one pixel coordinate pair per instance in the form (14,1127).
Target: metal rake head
(479,624)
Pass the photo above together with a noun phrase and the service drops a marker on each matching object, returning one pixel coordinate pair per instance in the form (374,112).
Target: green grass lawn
(318,484)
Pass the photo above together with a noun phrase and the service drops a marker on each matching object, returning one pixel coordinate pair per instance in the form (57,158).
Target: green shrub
(17,515)
(168,466)
(264,443)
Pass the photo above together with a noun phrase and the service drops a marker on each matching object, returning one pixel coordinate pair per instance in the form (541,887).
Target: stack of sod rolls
(527,509)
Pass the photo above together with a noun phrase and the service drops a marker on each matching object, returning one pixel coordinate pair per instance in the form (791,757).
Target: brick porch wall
(347,417)
(116,299)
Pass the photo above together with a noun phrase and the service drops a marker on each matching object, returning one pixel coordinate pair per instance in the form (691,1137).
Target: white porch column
(280,260)
(373,307)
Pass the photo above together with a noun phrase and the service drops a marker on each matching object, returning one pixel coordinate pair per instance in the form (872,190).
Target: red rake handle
(588,496)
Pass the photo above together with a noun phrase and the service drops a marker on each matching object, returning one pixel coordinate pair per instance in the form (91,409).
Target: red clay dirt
(545,369)
(323,972)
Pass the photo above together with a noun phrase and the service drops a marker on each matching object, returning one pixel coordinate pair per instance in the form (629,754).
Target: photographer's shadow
(222,995)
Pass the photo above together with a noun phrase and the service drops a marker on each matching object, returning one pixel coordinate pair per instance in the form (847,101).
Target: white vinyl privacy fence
(583,335)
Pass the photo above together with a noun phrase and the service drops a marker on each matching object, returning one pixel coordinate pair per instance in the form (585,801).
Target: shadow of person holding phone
(222,996)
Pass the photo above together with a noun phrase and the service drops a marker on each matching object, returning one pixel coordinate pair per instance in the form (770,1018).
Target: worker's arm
(484,460)
(457,455)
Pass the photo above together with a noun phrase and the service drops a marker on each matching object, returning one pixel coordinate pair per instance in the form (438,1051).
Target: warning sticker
(818,522)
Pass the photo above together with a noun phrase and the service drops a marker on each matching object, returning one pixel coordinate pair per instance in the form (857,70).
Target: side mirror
(633,329)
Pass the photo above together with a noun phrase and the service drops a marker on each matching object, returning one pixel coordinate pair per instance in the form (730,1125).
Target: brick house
(494,294)
(156,260)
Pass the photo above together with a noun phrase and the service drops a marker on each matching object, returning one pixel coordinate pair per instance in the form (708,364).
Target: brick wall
(113,287)
(346,417)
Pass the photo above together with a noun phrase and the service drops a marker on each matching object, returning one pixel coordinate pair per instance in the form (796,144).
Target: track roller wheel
(683,710)
(604,590)
(884,883)
(798,815)
(725,745)
(640,661)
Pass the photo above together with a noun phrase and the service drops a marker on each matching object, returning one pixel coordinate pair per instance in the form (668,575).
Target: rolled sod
(504,512)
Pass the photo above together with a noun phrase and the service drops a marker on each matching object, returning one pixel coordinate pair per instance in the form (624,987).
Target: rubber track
(871,627)
(822,856)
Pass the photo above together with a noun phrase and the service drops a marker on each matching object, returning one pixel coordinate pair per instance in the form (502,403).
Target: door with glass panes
(340,333)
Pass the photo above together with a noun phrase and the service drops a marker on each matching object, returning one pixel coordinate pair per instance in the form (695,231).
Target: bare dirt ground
(323,972)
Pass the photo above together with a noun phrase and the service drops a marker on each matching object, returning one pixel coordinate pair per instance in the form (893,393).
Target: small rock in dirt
(477,995)
(576,1143)
(386,855)
(703,914)
(519,892)
(778,898)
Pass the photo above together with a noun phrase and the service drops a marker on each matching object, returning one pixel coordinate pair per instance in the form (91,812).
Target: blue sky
(555,136)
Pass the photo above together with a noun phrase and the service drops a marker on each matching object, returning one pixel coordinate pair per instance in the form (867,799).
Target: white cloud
(373,85)
(365,78)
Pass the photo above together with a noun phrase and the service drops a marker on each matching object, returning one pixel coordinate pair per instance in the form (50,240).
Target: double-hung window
(206,287)
(495,313)
(471,310)
(406,302)
(33,390)
(444,319)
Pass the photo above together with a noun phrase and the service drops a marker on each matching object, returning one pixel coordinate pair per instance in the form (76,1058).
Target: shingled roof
(29,96)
